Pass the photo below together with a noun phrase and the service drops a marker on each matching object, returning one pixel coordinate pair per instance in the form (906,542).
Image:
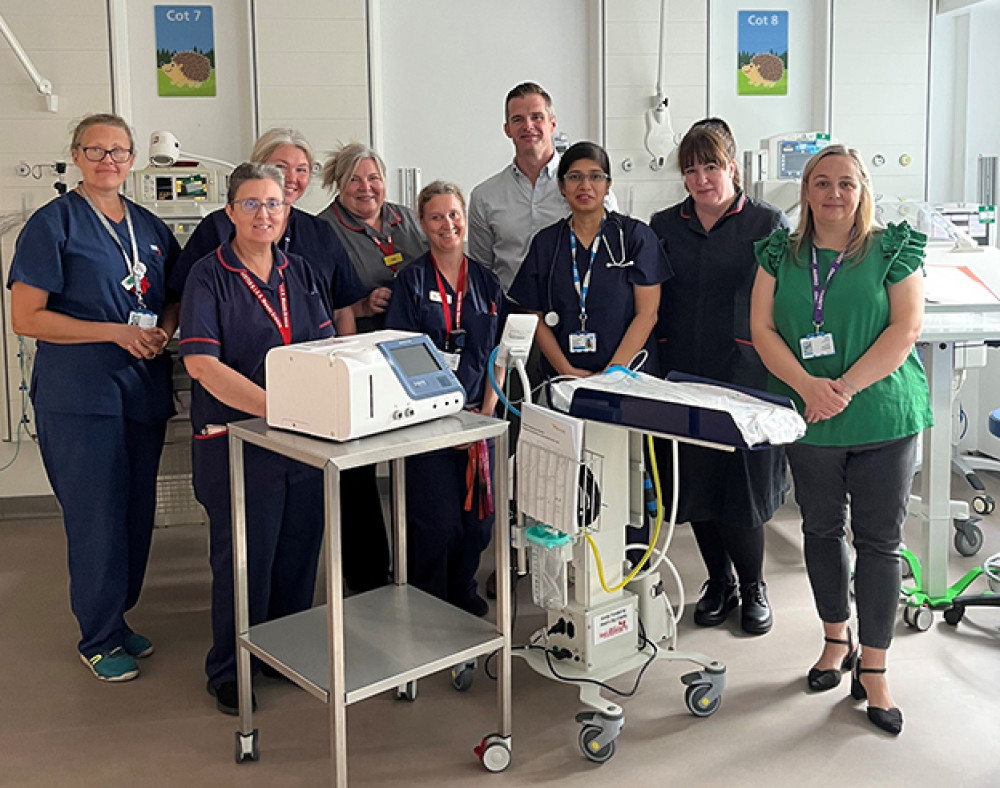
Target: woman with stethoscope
(593,278)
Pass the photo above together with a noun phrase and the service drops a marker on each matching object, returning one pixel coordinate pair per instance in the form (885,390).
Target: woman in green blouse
(836,309)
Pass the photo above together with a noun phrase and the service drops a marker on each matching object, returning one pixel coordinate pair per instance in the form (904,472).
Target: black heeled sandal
(823,680)
(889,720)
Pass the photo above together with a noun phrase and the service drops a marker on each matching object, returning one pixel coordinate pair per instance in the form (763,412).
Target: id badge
(142,318)
(393,259)
(583,342)
(817,345)
(452,360)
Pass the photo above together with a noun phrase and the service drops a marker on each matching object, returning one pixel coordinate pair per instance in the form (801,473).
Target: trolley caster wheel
(968,538)
(699,701)
(494,752)
(592,751)
(407,692)
(984,504)
(920,618)
(463,675)
(247,748)
(954,614)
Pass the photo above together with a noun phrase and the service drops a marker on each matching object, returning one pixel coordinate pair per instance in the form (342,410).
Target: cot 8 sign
(183,14)
(763,20)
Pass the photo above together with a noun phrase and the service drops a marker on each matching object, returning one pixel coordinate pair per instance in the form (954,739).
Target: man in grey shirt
(507,209)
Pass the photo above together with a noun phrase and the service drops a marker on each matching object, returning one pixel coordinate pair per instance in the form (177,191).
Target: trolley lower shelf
(392,635)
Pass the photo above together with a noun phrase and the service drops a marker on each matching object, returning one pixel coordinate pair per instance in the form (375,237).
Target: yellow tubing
(652,541)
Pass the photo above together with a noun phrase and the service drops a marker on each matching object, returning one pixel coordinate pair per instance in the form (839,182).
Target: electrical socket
(24,169)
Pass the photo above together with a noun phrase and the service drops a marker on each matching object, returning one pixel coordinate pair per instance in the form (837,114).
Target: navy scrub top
(221,317)
(305,236)
(545,284)
(65,250)
(704,323)
(484,311)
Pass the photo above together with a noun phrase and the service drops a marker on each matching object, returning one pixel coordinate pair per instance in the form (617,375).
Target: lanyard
(136,269)
(284,324)
(386,247)
(582,290)
(819,293)
(459,296)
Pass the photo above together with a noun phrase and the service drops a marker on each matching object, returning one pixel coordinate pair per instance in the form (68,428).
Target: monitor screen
(793,155)
(415,360)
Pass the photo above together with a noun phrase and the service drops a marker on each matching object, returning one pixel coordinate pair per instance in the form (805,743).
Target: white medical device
(348,387)
(180,196)
(773,171)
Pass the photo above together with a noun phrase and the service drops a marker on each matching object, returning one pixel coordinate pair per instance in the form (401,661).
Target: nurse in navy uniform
(459,304)
(240,300)
(88,281)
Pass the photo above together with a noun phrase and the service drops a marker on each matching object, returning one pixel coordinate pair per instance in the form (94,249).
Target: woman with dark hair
(704,329)
(593,278)
(837,308)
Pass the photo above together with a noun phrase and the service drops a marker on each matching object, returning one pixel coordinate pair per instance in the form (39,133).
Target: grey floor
(60,727)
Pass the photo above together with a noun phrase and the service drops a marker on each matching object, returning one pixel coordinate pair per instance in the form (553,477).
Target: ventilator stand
(596,636)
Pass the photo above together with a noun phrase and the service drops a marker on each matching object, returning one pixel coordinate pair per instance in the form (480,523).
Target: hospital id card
(452,360)
(583,342)
(393,259)
(142,318)
(817,345)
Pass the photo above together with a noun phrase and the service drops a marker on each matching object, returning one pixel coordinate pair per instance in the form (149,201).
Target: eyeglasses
(251,205)
(96,154)
(577,177)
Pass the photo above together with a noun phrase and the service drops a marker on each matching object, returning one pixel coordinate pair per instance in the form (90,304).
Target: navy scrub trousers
(103,471)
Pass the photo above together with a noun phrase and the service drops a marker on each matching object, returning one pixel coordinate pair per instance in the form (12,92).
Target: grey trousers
(873,480)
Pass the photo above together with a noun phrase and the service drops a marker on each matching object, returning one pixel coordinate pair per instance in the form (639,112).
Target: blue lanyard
(582,290)
(819,293)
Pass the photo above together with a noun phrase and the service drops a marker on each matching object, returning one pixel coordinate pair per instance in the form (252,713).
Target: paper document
(549,450)
(946,284)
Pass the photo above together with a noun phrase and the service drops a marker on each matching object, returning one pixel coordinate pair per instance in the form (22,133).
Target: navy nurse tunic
(704,329)
(221,317)
(628,254)
(100,412)
(445,541)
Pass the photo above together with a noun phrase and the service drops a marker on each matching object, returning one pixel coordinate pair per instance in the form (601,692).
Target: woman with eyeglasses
(363,537)
(240,300)
(592,278)
(88,281)
(704,329)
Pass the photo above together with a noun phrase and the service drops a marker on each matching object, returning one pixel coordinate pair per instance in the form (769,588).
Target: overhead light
(165,151)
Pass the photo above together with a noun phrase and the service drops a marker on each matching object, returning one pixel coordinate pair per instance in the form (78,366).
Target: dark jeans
(872,482)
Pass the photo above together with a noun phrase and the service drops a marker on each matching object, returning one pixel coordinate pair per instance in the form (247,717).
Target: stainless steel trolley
(350,649)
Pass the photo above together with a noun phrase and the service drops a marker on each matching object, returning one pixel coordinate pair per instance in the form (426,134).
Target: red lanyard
(387,248)
(459,296)
(284,324)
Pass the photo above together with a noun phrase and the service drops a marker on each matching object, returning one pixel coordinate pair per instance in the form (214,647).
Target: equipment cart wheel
(984,504)
(920,618)
(463,675)
(590,747)
(407,692)
(954,614)
(699,701)
(494,752)
(247,748)
(968,537)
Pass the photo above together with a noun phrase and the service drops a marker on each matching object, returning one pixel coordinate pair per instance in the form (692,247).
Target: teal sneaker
(138,646)
(116,665)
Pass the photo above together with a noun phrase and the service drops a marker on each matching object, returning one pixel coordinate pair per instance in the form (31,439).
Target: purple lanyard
(819,293)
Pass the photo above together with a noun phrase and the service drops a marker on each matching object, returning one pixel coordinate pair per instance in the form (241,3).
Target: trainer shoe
(138,646)
(116,665)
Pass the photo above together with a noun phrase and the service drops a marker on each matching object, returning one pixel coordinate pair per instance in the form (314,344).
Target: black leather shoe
(755,612)
(823,680)
(717,600)
(227,697)
(889,720)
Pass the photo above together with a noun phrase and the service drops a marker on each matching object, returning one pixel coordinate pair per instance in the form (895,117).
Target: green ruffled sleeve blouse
(856,312)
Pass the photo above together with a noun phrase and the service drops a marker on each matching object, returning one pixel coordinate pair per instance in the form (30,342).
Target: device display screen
(794,155)
(415,360)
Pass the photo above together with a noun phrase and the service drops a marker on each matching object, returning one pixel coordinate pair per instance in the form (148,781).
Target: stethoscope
(551,316)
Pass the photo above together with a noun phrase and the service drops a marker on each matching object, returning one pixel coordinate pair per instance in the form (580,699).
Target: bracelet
(847,383)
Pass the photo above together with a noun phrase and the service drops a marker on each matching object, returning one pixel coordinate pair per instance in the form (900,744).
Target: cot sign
(185,50)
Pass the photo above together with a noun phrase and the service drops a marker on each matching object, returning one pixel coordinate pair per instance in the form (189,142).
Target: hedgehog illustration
(188,69)
(764,70)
